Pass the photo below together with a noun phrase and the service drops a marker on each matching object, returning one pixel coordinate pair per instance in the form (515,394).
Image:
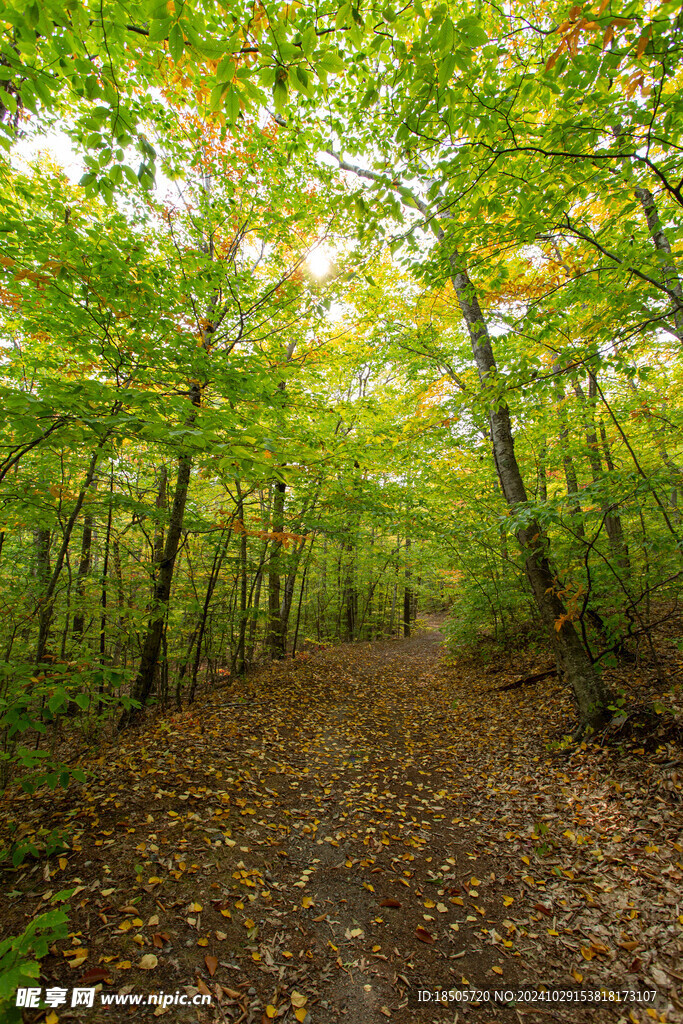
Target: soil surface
(344,837)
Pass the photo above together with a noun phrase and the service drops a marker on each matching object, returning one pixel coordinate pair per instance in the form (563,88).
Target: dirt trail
(356,826)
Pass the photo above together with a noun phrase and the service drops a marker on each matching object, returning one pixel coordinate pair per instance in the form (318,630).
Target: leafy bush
(19,956)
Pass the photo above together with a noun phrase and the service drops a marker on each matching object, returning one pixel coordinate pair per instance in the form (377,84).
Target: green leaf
(176,43)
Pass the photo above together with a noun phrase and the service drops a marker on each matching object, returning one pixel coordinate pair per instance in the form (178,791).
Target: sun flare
(318,263)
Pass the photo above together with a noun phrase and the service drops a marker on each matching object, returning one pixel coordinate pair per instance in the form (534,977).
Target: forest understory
(339,831)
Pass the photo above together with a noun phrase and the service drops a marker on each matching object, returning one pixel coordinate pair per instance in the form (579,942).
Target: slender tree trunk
(240,657)
(49,594)
(105,573)
(574,665)
(162,587)
(277,638)
(255,605)
(542,477)
(120,603)
(160,509)
(612,520)
(667,262)
(575,510)
(82,574)
(290,582)
(301,597)
(407,592)
(213,579)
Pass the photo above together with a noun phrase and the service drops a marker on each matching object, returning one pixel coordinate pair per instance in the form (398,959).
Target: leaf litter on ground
(370,822)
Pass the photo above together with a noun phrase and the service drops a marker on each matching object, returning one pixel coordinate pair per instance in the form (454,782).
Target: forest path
(339,831)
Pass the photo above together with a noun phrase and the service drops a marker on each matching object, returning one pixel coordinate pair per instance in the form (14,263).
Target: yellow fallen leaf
(429,904)
(123,965)
(256,957)
(287,955)
(587,953)
(576,975)
(196,908)
(270,1011)
(63,863)
(497,970)
(298,999)
(51,1018)
(474,882)
(148,962)
(301,1014)
(508,901)
(526,860)
(202,942)
(306,902)
(248,923)
(458,902)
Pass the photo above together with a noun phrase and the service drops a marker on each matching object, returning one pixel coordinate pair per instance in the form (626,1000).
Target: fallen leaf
(148,962)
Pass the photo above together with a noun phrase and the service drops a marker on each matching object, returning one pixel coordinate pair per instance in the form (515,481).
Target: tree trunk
(612,520)
(574,665)
(162,586)
(407,592)
(575,510)
(81,576)
(160,509)
(667,265)
(240,655)
(49,594)
(277,638)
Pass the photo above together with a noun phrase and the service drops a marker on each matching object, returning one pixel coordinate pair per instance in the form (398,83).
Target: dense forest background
(349,312)
(354,312)
(325,327)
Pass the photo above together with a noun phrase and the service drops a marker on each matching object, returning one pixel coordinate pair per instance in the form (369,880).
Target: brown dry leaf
(423,935)
(211,964)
